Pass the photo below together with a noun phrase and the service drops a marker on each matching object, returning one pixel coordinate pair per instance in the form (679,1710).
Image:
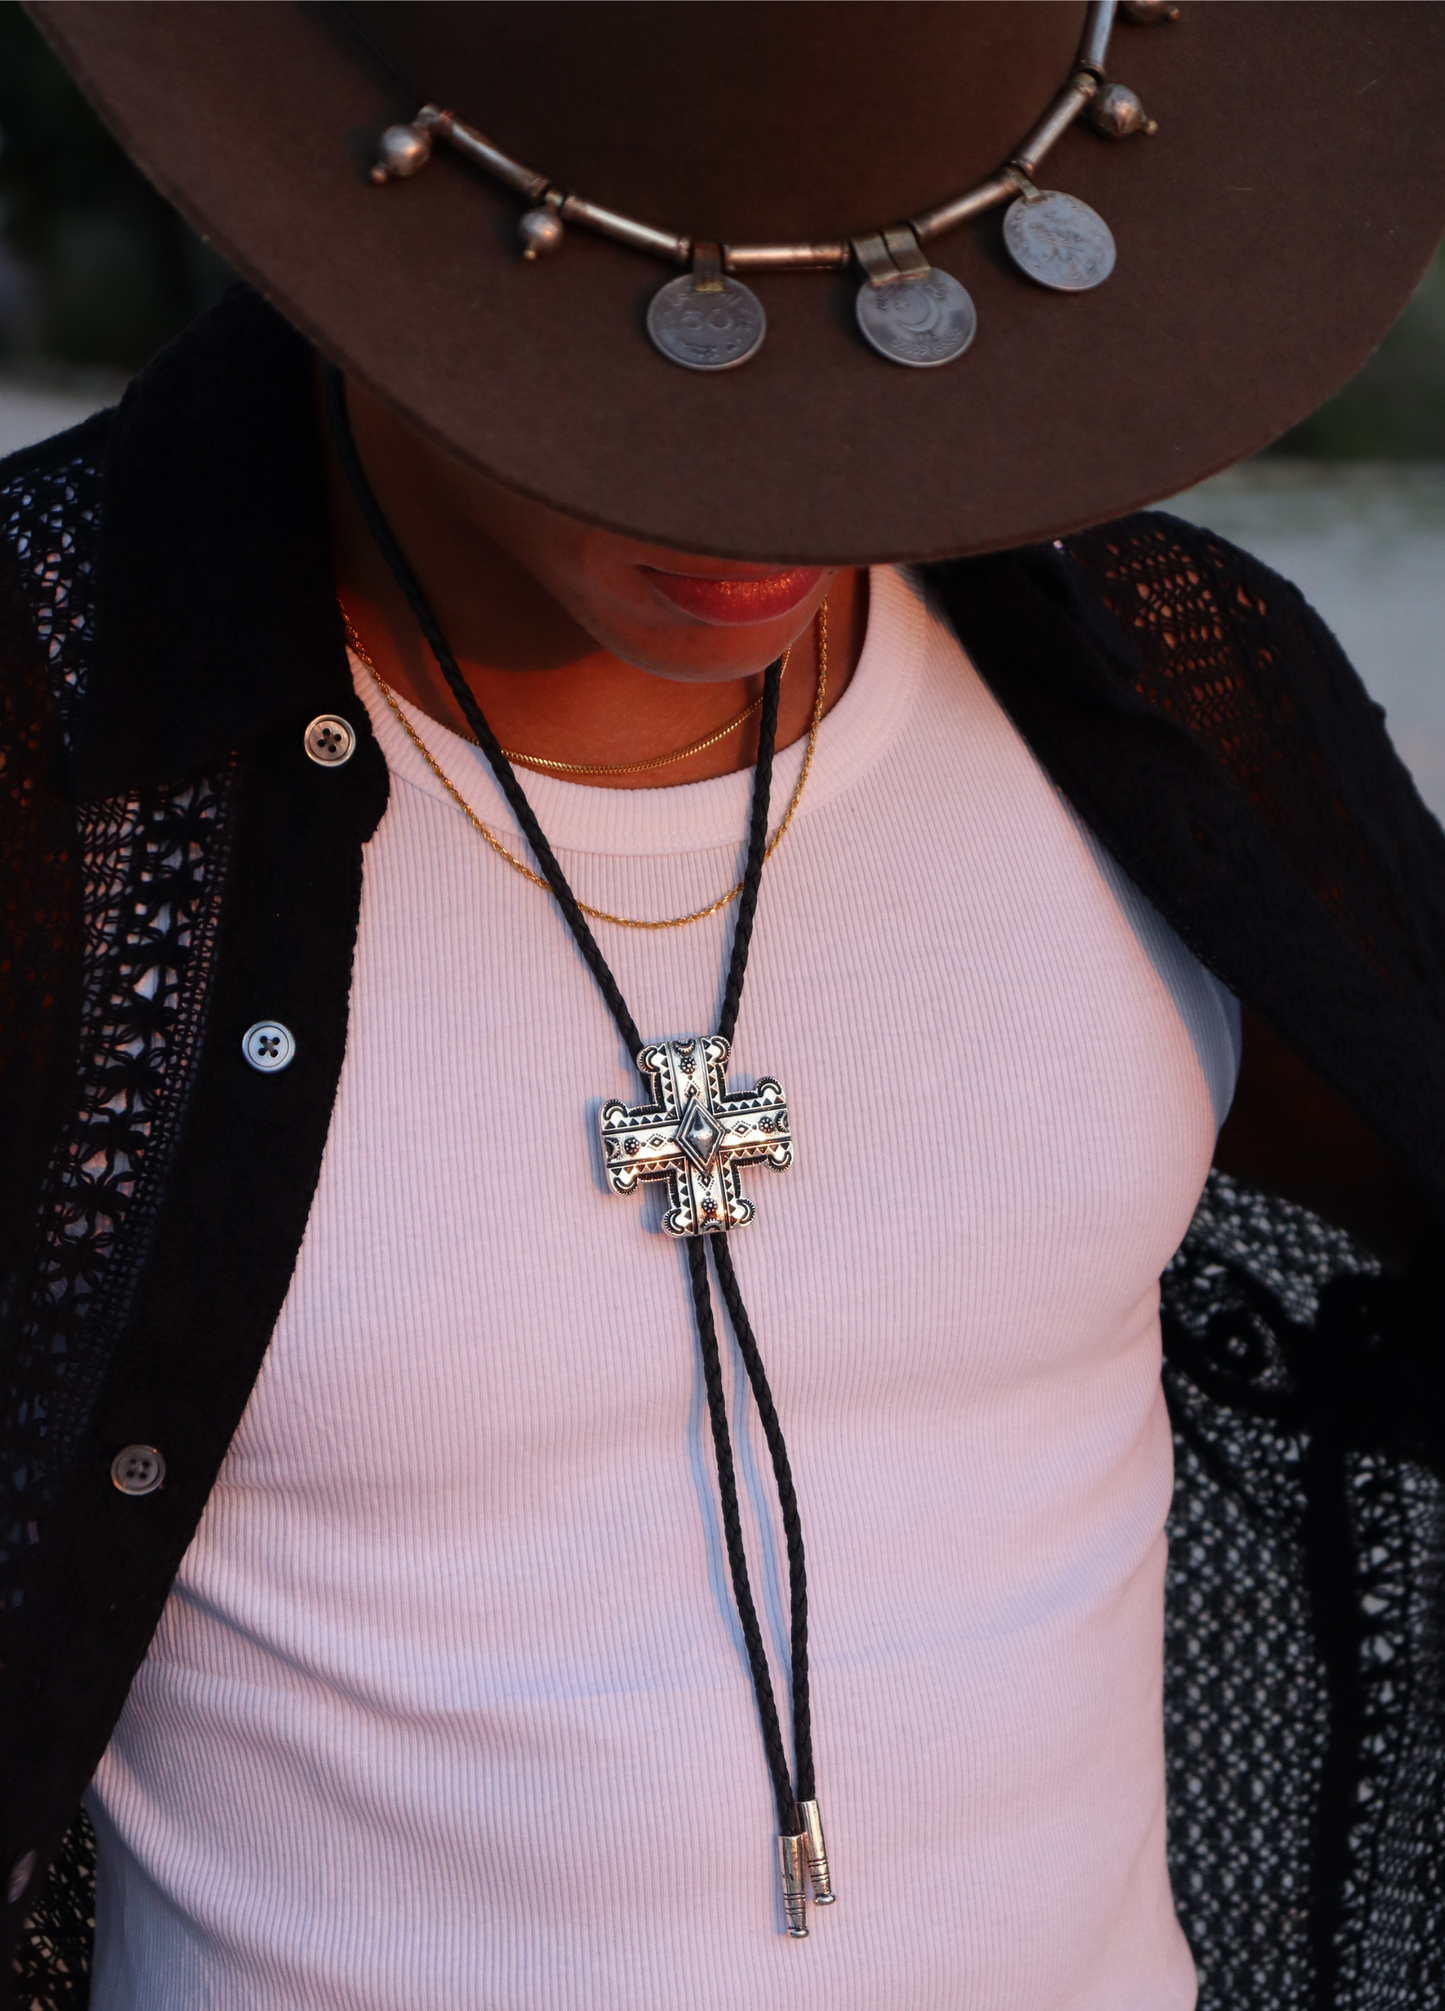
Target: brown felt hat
(1267,237)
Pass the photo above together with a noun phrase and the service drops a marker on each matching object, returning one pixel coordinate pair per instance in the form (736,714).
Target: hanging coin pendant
(1059,241)
(921,322)
(703,330)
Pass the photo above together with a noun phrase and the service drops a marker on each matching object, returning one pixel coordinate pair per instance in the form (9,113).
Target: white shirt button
(268,1045)
(138,1469)
(330,740)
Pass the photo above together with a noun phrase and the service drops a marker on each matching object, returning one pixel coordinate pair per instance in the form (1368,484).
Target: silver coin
(706,331)
(921,322)
(1059,241)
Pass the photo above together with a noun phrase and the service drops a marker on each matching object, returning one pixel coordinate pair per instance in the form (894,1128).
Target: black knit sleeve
(40,867)
(1206,725)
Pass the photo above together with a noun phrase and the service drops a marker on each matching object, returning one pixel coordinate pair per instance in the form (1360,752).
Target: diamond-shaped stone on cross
(695,1135)
(699,1134)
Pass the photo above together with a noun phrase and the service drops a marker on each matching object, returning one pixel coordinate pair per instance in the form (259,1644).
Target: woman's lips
(762,598)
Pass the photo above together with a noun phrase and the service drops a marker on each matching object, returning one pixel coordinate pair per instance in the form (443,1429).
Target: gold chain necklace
(601,914)
(601,768)
(641,767)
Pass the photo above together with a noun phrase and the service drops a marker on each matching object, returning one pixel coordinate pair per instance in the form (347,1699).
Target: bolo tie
(694,1135)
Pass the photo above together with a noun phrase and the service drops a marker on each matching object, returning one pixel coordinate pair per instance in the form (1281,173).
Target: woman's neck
(538,611)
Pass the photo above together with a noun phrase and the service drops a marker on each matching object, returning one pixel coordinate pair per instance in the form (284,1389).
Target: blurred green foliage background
(97,270)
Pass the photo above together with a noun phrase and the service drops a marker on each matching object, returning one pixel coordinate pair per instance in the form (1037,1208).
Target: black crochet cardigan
(174,869)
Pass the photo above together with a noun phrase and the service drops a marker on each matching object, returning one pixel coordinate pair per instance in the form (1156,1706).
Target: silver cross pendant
(695,1135)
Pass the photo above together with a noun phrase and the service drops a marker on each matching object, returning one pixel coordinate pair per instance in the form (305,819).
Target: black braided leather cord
(556,879)
(727,1487)
(788,1501)
(487,740)
(757,853)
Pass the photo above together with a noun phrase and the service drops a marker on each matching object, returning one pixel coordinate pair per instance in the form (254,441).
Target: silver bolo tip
(816,1849)
(792,1856)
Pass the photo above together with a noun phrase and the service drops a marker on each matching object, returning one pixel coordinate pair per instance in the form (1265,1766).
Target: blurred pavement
(34,411)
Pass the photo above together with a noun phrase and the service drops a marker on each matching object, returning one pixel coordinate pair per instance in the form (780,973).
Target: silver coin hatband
(908,310)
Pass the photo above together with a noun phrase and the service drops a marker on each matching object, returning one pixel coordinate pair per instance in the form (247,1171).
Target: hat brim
(1267,237)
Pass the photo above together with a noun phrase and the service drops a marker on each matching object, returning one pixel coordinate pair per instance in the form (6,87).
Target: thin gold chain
(601,914)
(640,767)
(598,767)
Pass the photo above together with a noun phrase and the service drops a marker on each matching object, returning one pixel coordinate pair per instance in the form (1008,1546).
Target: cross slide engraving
(695,1135)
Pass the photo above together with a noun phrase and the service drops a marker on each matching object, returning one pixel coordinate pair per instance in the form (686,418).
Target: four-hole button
(138,1469)
(330,740)
(268,1045)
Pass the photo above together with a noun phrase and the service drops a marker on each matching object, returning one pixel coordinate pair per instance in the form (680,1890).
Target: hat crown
(746,122)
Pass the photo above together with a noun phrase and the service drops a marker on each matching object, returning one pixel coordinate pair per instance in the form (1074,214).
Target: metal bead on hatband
(1098,26)
(541,231)
(1118,112)
(831,254)
(402,151)
(907,309)
(1051,129)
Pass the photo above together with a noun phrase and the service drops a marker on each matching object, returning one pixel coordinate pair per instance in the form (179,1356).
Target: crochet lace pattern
(1304,1658)
(152,869)
(1305,1666)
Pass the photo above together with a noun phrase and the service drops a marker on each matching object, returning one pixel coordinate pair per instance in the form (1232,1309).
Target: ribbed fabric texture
(450,1705)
